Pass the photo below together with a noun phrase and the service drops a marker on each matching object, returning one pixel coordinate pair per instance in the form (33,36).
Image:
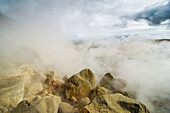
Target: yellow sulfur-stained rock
(80,85)
(99,91)
(11,91)
(114,103)
(47,104)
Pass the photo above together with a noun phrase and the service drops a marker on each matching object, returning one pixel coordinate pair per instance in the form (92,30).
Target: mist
(67,36)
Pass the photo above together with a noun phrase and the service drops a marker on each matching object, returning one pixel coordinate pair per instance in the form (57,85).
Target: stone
(112,83)
(47,104)
(65,78)
(50,77)
(99,91)
(11,91)
(84,101)
(33,80)
(114,103)
(3,109)
(65,108)
(80,85)
(57,87)
(73,99)
(124,93)
(75,110)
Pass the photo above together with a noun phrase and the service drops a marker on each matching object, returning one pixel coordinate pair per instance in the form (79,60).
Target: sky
(94,19)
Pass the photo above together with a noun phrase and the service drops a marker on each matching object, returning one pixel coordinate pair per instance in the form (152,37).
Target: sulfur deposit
(77,94)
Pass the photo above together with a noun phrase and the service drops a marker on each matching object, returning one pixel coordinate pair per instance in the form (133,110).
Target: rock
(33,98)
(22,106)
(65,78)
(114,103)
(11,91)
(53,86)
(84,101)
(50,77)
(99,91)
(57,87)
(47,104)
(124,93)
(65,108)
(3,109)
(33,80)
(80,85)
(75,110)
(73,99)
(112,83)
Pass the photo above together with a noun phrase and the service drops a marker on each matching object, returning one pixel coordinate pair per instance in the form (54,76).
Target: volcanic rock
(65,108)
(114,103)
(99,91)
(33,80)
(47,104)
(112,83)
(11,91)
(80,85)
(84,101)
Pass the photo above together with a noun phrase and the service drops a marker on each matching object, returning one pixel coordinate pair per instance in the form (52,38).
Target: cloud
(84,19)
(155,15)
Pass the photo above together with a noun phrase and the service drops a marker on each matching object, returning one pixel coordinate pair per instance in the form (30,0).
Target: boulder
(84,101)
(75,110)
(114,103)
(65,108)
(112,83)
(80,85)
(33,80)
(99,91)
(11,91)
(47,104)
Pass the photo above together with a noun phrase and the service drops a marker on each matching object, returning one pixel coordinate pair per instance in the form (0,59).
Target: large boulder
(47,104)
(114,103)
(80,85)
(112,83)
(11,91)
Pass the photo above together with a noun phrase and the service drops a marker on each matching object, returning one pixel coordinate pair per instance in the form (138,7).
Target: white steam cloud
(38,32)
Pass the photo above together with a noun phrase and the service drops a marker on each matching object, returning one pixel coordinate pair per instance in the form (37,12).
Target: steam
(39,33)
(143,64)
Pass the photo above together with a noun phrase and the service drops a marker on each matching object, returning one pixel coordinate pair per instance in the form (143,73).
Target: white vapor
(38,32)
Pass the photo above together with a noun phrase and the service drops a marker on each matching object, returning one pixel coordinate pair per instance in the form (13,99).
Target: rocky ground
(34,92)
